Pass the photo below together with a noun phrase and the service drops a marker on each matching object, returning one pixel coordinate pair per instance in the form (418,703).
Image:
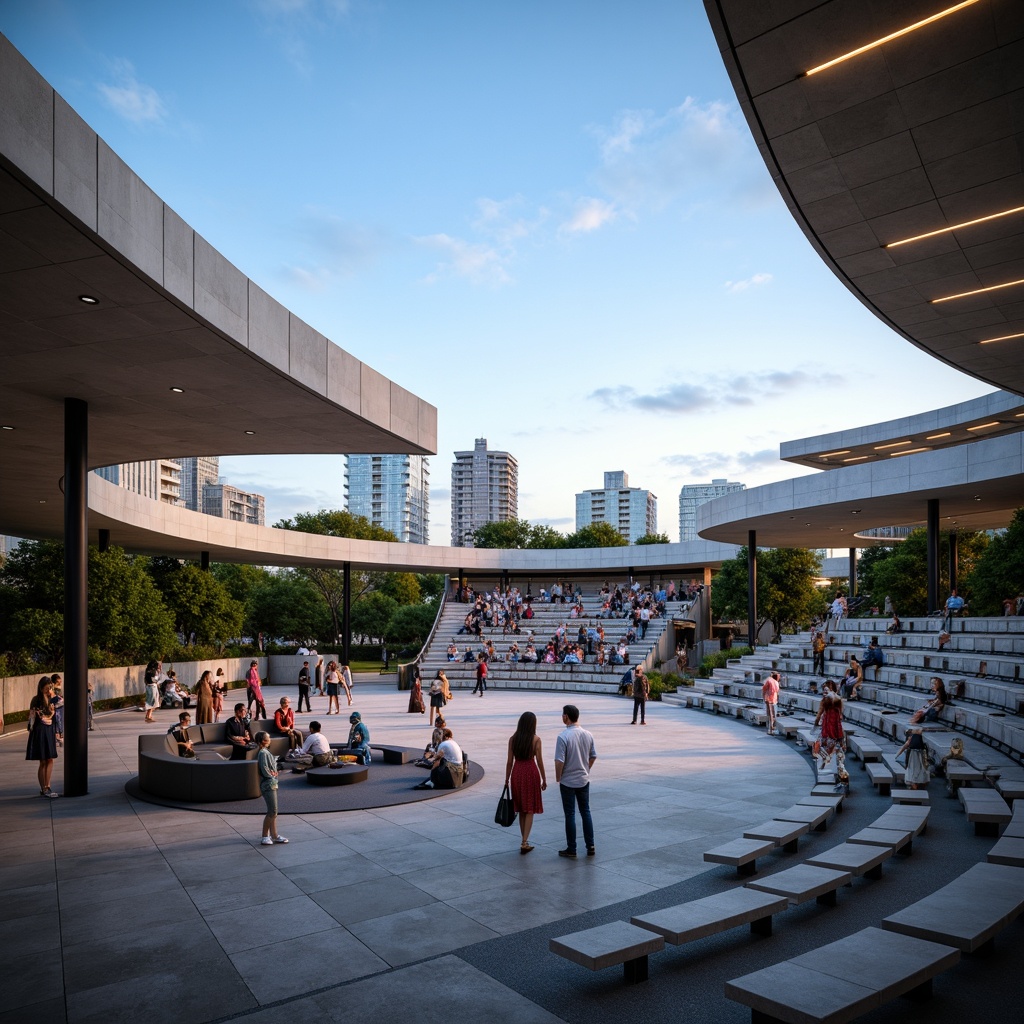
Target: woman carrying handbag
(524,770)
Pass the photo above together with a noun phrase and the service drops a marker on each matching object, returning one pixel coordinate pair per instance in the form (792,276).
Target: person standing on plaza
(254,690)
(319,674)
(267,766)
(524,772)
(818,646)
(204,699)
(641,691)
(42,743)
(219,689)
(333,679)
(304,687)
(575,755)
(154,677)
(481,674)
(416,692)
(770,693)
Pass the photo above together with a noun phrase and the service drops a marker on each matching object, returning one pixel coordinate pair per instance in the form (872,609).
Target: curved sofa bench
(211,775)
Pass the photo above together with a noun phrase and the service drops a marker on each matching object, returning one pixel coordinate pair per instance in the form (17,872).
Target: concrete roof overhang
(149,527)
(978,487)
(913,136)
(171,311)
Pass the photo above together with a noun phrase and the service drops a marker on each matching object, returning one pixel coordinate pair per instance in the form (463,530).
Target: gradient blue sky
(545,217)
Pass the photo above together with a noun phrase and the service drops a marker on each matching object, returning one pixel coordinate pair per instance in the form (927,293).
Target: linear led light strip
(954,227)
(892,35)
(1005,337)
(978,291)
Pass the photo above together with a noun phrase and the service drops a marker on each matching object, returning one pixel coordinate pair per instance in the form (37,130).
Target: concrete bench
(906,816)
(899,840)
(969,912)
(713,914)
(741,854)
(986,809)
(833,801)
(844,979)
(1009,850)
(897,769)
(960,773)
(609,944)
(816,818)
(863,749)
(782,833)
(804,882)
(857,858)
(881,777)
(909,796)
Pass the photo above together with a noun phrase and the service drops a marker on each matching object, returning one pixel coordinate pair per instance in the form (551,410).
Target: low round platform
(345,775)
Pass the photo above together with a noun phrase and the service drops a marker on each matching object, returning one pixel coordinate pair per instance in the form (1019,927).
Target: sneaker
(571,854)
(280,839)
(591,851)
(266,841)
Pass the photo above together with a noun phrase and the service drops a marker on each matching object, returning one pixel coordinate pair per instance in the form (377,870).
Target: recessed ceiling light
(807,524)
(250,431)
(935,437)
(89,300)
(1003,337)
(891,36)
(828,455)
(955,227)
(42,501)
(985,426)
(854,511)
(977,291)
(977,497)
(6,426)
(178,391)
(856,458)
(895,444)
(909,451)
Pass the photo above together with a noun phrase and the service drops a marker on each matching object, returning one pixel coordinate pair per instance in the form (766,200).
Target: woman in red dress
(830,717)
(524,770)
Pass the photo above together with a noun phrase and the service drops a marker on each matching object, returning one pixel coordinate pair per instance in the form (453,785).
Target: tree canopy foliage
(653,538)
(786,592)
(998,572)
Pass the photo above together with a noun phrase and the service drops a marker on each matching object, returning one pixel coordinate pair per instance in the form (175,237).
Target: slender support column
(460,585)
(853,572)
(76,596)
(751,587)
(346,614)
(954,560)
(204,561)
(933,554)
(104,544)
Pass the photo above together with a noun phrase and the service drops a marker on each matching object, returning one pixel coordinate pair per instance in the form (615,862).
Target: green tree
(653,538)
(402,587)
(786,592)
(411,624)
(999,571)
(508,533)
(546,537)
(286,605)
(596,535)
(371,615)
(201,606)
(431,585)
(38,633)
(330,582)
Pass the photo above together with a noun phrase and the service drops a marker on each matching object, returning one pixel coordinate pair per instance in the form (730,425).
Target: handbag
(505,815)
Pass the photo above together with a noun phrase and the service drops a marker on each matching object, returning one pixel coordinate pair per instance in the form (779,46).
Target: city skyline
(593,266)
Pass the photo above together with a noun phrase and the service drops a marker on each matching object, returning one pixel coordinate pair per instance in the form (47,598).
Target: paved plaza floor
(112,909)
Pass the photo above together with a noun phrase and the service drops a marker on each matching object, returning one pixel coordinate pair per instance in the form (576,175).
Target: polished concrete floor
(112,909)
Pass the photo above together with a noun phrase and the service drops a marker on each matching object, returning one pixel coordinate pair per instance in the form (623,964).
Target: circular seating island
(337,775)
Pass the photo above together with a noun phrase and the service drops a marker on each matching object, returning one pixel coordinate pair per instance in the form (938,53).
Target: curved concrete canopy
(911,137)
(978,486)
(171,311)
(141,525)
(989,416)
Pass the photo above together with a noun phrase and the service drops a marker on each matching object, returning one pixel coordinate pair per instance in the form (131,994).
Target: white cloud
(129,98)
(750,282)
(476,262)
(589,215)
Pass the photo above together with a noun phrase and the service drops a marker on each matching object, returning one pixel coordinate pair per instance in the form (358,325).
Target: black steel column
(853,572)
(204,561)
(104,544)
(346,614)
(954,559)
(76,596)
(751,587)
(933,554)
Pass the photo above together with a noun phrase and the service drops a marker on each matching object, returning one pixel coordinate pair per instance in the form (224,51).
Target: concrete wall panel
(26,117)
(74,163)
(343,378)
(130,214)
(268,327)
(307,355)
(375,396)
(221,292)
(179,257)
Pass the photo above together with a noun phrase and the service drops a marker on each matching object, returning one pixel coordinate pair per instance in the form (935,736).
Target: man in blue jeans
(574,757)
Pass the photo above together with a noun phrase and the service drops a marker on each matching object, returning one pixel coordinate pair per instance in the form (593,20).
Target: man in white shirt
(575,755)
(317,747)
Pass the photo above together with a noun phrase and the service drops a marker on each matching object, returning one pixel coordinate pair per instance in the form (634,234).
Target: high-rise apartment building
(196,472)
(485,489)
(231,503)
(631,510)
(692,495)
(159,479)
(392,491)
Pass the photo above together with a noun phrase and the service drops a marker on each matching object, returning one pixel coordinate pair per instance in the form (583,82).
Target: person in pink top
(255,691)
(770,693)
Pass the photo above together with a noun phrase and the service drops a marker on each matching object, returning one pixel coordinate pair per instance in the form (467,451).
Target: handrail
(430,636)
